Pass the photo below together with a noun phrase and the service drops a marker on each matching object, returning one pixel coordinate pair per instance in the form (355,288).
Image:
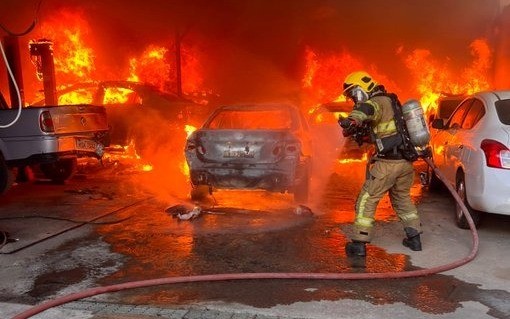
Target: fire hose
(246,276)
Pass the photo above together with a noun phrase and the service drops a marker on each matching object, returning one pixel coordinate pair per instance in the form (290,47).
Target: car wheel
(301,190)
(460,219)
(59,171)
(434,183)
(6,176)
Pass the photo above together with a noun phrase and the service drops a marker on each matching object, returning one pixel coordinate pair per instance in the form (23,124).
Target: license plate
(89,146)
(238,154)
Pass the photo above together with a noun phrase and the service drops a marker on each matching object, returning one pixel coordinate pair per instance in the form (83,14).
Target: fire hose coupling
(359,132)
(348,124)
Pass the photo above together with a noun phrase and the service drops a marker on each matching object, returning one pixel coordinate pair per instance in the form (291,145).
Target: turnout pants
(395,177)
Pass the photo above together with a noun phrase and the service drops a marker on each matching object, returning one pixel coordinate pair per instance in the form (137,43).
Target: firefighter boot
(356,249)
(412,241)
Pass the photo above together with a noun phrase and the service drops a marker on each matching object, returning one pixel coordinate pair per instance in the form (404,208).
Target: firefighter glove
(348,125)
(427,152)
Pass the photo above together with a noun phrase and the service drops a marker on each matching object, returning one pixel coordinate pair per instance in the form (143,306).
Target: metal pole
(43,49)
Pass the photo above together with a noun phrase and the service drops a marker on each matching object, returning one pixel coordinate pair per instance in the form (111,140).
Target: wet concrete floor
(243,232)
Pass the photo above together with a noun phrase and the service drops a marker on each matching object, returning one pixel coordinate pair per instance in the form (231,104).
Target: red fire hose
(245,276)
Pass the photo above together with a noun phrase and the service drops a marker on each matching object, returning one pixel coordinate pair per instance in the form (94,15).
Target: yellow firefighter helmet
(358,85)
(361,79)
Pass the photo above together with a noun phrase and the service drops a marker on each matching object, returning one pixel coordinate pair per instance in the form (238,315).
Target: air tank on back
(415,122)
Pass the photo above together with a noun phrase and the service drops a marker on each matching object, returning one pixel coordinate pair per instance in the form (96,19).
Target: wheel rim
(461,191)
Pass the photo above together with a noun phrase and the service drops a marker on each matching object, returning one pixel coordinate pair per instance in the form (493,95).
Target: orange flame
(74,61)
(434,78)
(151,67)
(324,73)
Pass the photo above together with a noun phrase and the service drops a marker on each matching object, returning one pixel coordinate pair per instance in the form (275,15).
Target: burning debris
(184,212)
(192,212)
(303,210)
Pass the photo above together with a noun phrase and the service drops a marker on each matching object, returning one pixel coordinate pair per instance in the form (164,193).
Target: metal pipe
(42,50)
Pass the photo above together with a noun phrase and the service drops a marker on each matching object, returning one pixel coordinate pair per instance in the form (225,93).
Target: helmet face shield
(356,94)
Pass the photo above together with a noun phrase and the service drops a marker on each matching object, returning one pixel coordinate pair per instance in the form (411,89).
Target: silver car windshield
(503,110)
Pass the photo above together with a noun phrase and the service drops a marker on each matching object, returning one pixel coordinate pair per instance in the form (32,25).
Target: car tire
(59,171)
(302,189)
(6,176)
(434,183)
(460,219)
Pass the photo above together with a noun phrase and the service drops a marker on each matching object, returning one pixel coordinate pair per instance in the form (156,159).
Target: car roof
(494,94)
(140,87)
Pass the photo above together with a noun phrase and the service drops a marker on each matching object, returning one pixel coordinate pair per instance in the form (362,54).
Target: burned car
(137,112)
(252,146)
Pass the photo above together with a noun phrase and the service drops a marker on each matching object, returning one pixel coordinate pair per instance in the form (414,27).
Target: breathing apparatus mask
(356,94)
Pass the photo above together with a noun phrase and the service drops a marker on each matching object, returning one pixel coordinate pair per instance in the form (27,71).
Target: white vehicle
(472,151)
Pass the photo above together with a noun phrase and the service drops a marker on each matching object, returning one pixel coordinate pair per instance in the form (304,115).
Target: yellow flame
(189,129)
(184,168)
(354,160)
(147,167)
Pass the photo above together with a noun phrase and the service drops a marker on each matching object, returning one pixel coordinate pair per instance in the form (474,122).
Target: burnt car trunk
(240,159)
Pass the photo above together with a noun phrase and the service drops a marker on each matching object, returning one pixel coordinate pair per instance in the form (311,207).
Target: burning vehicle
(134,109)
(252,146)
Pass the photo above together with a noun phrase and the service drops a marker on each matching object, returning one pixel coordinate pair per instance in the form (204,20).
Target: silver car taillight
(496,154)
(46,122)
(192,145)
(292,148)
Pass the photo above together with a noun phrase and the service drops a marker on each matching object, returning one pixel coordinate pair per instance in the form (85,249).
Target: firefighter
(389,170)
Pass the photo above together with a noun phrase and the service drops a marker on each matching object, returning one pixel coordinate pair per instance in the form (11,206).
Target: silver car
(255,146)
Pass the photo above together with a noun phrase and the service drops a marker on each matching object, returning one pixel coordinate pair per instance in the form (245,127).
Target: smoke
(327,142)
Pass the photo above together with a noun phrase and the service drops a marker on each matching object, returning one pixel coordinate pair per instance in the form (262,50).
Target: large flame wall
(245,50)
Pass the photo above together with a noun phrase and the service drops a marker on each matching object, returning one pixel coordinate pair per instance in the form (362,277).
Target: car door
(447,149)
(465,142)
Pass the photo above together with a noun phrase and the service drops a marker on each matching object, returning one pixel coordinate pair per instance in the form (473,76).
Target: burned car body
(136,111)
(254,146)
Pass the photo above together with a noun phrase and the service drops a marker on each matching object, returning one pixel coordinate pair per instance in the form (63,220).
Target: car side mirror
(438,123)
